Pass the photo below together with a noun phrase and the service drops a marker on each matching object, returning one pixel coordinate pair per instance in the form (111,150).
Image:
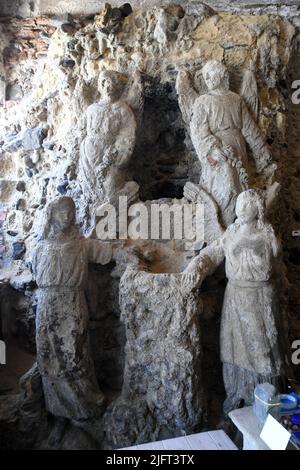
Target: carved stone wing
(134,96)
(212,226)
(249,92)
(271,197)
(186,95)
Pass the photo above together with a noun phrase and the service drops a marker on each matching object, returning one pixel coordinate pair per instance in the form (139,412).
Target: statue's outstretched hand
(190,280)
(200,267)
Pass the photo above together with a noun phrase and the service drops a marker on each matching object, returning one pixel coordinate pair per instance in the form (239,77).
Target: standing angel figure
(111,126)
(60,266)
(249,326)
(220,125)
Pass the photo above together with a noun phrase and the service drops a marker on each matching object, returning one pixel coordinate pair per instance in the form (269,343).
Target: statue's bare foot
(57,432)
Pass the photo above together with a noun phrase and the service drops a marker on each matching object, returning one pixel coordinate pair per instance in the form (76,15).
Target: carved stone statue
(111,126)
(220,126)
(60,266)
(249,327)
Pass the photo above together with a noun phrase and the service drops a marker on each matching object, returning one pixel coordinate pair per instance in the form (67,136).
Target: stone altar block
(248,424)
(162,375)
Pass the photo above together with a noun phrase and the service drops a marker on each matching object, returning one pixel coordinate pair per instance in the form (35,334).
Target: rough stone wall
(27,8)
(50,67)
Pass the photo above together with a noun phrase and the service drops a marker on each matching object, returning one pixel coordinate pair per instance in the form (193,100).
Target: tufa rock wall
(48,76)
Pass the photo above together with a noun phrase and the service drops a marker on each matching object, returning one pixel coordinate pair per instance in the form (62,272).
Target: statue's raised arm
(187,95)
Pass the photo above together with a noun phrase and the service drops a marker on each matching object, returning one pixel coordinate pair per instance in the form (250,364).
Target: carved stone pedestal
(162,389)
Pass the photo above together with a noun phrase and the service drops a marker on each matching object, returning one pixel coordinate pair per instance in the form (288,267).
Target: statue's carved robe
(250,349)
(63,350)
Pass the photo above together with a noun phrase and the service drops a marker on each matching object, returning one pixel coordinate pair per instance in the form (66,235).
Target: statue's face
(107,88)
(62,217)
(212,79)
(215,75)
(246,210)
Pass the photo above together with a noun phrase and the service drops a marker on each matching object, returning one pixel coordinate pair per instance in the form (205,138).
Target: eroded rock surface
(162,375)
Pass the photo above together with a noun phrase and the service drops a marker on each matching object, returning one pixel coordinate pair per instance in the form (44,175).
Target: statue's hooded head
(215,75)
(250,207)
(110,85)
(60,217)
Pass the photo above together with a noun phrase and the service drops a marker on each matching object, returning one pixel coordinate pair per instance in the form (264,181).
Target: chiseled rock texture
(162,373)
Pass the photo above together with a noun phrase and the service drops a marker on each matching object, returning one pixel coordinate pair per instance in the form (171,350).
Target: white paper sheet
(274,434)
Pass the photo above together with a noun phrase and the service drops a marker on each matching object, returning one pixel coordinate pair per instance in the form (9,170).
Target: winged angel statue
(220,124)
